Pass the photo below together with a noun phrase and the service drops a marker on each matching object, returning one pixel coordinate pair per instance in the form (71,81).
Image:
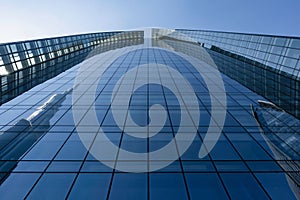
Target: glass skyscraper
(151,114)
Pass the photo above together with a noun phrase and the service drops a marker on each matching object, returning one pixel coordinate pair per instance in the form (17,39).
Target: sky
(33,19)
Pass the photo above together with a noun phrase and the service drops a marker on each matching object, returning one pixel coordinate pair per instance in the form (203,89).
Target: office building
(151,114)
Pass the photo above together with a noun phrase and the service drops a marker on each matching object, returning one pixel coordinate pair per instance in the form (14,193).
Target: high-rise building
(151,114)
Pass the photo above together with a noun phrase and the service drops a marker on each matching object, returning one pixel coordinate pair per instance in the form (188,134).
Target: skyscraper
(150,114)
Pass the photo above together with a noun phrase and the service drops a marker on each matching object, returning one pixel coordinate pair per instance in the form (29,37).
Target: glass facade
(269,64)
(154,114)
(24,65)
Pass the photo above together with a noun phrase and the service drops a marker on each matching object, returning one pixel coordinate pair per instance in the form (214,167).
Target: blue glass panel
(173,167)
(223,150)
(31,166)
(205,186)
(278,185)
(129,186)
(90,186)
(243,186)
(17,185)
(192,152)
(134,144)
(62,166)
(236,166)
(258,166)
(73,149)
(47,147)
(198,166)
(168,185)
(247,147)
(52,186)
(95,166)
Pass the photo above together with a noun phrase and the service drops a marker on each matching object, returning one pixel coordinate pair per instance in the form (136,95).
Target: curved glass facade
(266,64)
(23,65)
(279,52)
(151,114)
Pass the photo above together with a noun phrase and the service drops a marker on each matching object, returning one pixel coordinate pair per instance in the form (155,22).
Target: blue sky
(31,19)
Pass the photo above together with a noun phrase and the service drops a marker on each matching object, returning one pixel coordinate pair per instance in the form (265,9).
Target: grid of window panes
(268,65)
(278,88)
(26,64)
(279,52)
(58,166)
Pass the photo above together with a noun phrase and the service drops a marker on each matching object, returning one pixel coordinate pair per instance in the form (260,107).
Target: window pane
(17,185)
(205,186)
(52,186)
(90,186)
(168,185)
(129,186)
(243,186)
(277,186)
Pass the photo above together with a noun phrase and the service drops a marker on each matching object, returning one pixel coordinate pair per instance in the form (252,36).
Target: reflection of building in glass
(16,140)
(281,132)
(140,90)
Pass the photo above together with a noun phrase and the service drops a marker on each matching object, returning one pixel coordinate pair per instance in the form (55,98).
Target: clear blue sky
(28,19)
